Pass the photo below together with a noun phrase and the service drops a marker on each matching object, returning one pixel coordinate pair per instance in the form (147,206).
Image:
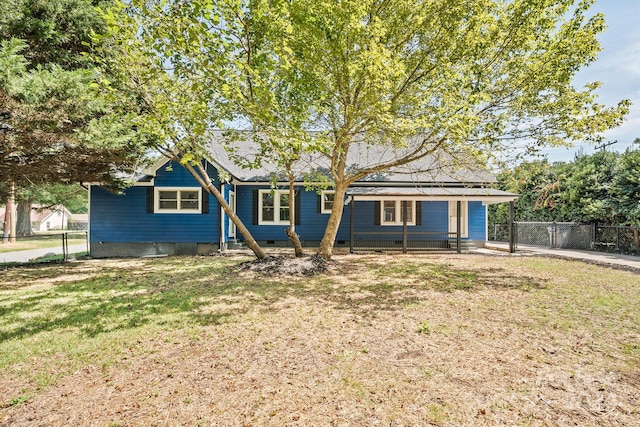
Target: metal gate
(561,235)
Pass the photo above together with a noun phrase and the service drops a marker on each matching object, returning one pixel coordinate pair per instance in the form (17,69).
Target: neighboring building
(78,222)
(46,219)
(55,218)
(166,211)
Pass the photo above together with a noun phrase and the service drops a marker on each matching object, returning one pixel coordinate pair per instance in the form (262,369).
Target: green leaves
(602,187)
(469,78)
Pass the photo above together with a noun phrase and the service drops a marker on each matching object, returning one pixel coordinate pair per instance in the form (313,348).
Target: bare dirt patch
(287,265)
(403,340)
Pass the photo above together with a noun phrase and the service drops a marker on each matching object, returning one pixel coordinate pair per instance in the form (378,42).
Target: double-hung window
(393,214)
(178,200)
(327,198)
(273,207)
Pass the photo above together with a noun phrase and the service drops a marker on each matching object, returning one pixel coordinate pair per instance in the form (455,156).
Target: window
(392,212)
(178,200)
(327,198)
(273,207)
(453,218)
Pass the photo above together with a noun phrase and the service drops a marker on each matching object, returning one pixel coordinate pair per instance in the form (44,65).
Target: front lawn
(408,340)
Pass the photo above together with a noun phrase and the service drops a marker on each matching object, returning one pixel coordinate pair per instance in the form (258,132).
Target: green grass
(56,319)
(42,241)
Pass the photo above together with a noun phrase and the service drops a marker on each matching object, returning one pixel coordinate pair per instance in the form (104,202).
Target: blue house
(430,204)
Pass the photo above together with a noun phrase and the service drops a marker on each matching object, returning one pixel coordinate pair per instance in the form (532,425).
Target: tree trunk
(291,231)
(23,224)
(636,238)
(7,223)
(10,216)
(203,178)
(325,250)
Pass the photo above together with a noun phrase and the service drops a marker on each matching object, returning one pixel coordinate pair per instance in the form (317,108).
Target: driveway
(29,255)
(627,262)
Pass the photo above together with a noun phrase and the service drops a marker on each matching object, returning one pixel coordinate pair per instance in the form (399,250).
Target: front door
(453,218)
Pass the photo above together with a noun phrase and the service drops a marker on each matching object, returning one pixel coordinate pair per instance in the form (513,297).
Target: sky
(618,68)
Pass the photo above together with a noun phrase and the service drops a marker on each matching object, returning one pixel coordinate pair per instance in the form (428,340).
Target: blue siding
(477,221)
(435,216)
(364,218)
(179,176)
(124,217)
(312,223)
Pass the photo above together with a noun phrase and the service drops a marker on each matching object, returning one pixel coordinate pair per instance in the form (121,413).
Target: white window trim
(464,217)
(324,209)
(276,207)
(156,200)
(398,215)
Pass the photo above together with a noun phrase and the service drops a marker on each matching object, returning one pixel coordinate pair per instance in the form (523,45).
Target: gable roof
(436,169)
(432,170)
(39,214)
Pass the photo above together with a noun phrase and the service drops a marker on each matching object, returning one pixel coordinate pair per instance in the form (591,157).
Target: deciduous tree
(176,105)
(458,77)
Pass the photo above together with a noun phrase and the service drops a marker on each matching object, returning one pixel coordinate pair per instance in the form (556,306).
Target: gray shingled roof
(428,170)
(432,193)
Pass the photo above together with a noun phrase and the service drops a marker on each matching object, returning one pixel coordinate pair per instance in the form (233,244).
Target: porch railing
(409,241)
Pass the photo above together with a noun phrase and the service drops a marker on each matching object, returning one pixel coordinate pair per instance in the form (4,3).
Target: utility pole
(604,145)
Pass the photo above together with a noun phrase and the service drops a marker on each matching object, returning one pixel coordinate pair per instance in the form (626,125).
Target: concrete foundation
(136,249)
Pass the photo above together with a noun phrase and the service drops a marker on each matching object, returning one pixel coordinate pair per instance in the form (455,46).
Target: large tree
(176,112)
(463,78)
(56,31)
(625,189)
(58,129)
(47,196)
(540,186)
(55,126)
(587,192)
(602,187)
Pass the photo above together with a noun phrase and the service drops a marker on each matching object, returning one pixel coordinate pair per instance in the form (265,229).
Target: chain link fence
(499,233)
(625,240)
(568,235)
(43,247)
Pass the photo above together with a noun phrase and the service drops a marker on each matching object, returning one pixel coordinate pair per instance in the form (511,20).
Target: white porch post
(458,226)
(353,208)
(404,226)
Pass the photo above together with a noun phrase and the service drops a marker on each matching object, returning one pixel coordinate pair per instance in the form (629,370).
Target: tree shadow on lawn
(211,291)
(392,286)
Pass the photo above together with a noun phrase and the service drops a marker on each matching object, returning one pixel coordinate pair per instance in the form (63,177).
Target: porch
(400,224)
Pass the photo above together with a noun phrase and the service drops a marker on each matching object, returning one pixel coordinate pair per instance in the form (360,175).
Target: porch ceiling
(487,195)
